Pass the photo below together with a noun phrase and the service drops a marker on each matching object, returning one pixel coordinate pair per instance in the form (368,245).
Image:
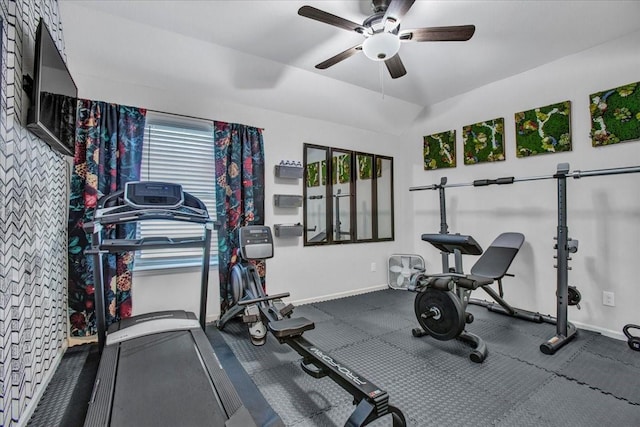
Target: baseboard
(35,399)
(606,332)
(214,317)
(340,295)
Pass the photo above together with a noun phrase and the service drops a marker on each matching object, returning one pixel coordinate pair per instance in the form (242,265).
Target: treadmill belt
(164,372)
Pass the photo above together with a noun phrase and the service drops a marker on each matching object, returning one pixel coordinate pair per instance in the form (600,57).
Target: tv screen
(52,115)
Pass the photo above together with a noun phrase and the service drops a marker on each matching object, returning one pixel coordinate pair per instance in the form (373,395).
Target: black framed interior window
(348,196)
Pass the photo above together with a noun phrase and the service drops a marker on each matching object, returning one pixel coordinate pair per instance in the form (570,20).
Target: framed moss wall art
(365,167)
(323,172)
(439,150)
(313,174)
(484,141)
(341,169)
(615,115)
(543,130)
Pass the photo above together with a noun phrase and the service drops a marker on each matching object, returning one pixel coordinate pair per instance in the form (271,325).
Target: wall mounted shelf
(290,172)
(287,230)
(287,200)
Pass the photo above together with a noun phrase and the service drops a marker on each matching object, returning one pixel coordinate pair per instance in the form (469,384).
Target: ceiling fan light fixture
(381,46)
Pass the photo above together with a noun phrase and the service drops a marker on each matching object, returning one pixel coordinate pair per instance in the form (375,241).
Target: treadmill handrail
(150,243)
(125,213)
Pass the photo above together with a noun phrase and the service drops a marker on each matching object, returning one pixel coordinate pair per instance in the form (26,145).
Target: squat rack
(565,331)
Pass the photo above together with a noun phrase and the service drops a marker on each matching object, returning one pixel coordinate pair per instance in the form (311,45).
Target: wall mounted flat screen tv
(52,115)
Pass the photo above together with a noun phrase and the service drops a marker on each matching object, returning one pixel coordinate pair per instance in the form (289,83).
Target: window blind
(178,150)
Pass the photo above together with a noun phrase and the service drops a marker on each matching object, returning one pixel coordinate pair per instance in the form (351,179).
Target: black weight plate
(450,321)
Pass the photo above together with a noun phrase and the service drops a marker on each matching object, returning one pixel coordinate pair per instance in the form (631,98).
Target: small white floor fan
(401,267)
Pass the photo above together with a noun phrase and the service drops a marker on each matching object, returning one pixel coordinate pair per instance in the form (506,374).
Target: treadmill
(160,368)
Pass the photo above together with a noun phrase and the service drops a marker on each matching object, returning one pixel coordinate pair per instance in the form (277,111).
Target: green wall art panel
(323,172)
(544,130)
(313,174)
(317,174)
(341,169)
(440,150)
(365,167)
(615,115)
(483,142)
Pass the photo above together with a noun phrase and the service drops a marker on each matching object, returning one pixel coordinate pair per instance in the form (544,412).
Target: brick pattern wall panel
(33,224)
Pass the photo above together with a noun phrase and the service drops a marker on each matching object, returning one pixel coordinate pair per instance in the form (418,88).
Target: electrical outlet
(373,267)
(608,298)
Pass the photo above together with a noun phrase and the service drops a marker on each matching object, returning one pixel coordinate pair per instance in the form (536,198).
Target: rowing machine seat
(291,327)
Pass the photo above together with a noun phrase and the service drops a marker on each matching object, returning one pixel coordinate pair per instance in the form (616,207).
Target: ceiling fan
(383,35)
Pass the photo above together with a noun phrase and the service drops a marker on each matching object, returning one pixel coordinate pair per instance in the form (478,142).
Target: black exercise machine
(442,299)
(565,295)
(160,368)
(262,313)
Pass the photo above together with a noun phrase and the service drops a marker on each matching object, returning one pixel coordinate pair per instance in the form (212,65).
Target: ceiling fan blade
(395,67)
(438,34)
(339,57)
(328,18)
(395,12)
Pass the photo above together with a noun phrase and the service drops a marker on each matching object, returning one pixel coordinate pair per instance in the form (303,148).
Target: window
(347,196)
(180,150)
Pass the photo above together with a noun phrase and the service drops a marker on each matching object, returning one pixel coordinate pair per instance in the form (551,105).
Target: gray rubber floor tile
(312,313)
(523,417)
(434,383)
(259,358)
(513,343)
(565,403)
(614,349)
(335,333)
(607,375)
(57,396)
(385,298)
(503,377)
(427,347)
(405,309)
(379,322)
(294,395)
(432,399)
(235,330)
(380,363)
(343,307)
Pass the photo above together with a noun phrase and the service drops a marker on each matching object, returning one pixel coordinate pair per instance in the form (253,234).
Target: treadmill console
(256,242)
(149,194)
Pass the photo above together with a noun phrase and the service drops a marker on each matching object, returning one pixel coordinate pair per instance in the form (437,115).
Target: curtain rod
(189,116)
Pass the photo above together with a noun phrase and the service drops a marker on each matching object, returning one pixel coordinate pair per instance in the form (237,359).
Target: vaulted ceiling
(278,49)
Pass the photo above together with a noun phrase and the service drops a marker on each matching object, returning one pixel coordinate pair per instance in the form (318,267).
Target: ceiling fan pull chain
(381,77)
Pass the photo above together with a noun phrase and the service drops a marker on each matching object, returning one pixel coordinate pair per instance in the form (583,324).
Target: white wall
(308,273)
(603,212)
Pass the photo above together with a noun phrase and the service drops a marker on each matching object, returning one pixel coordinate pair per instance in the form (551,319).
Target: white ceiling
(511,37)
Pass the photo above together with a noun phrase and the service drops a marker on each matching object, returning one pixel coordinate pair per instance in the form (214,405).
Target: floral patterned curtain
(239,156)
(108,153)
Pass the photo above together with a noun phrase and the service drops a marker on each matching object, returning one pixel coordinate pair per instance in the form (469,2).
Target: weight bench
(494,264)
(442,298)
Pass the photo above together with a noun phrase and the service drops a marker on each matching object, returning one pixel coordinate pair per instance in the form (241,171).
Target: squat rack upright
(565,331)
